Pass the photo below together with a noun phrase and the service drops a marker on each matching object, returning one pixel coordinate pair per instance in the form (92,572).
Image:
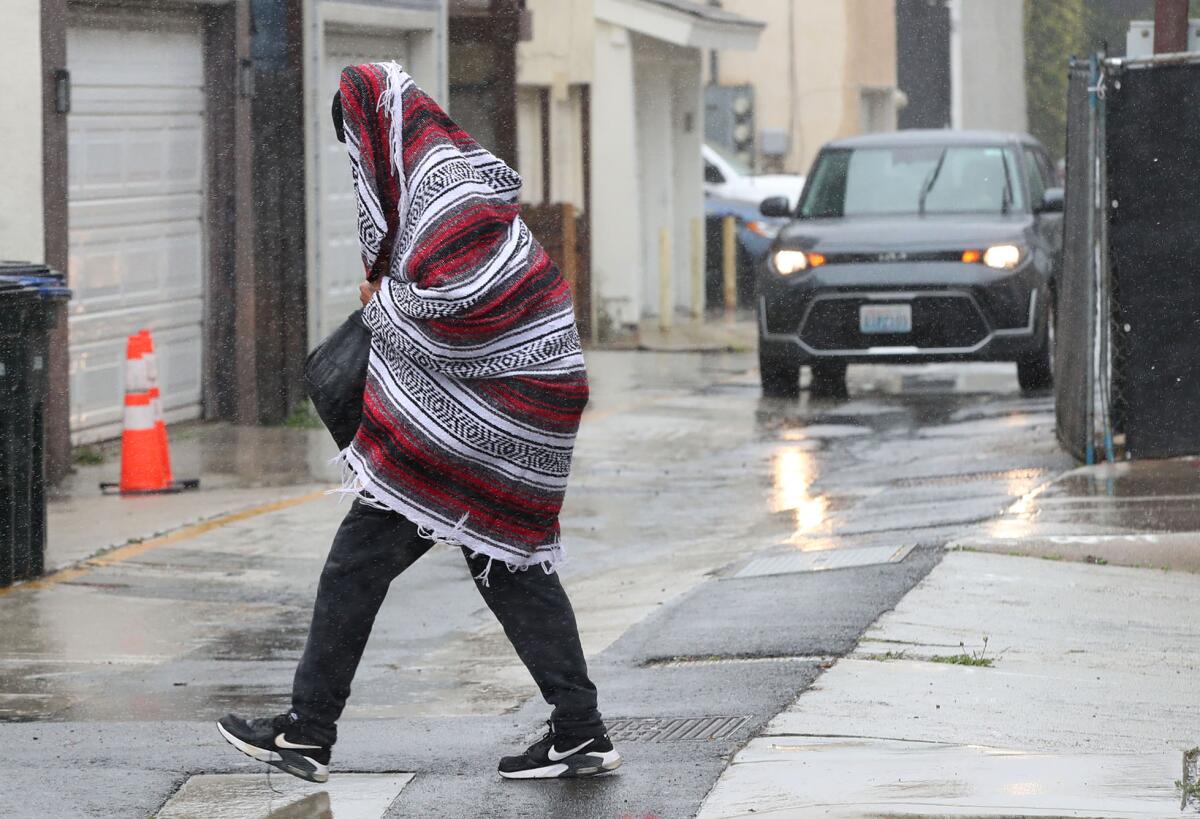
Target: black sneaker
(278,741)
(562,756)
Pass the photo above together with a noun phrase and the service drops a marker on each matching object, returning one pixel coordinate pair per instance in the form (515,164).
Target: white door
(136,203)
(339,267)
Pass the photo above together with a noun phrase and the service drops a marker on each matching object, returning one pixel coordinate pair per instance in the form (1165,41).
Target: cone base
(173,488)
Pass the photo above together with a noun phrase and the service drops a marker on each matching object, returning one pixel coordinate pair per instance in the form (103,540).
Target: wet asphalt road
(684,474)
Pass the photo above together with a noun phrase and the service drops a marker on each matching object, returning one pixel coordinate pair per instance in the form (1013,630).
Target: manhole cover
(675,729)
(249,796)
(822,561)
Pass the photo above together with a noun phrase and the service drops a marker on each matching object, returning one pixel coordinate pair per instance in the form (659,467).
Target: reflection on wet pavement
(1144,514)
(682,469)
(347,796)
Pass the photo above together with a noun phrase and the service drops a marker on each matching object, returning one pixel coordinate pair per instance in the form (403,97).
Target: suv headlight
(789,262)
(1003,257)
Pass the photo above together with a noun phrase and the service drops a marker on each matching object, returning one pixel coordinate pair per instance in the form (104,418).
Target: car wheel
(828,380)
(1036,373)
(780,379)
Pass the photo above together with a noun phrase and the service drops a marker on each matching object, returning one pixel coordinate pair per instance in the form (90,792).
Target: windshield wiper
(931,181)
(1007,196)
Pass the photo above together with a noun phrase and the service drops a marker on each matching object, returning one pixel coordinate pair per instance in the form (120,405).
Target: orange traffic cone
(160,423)
(145,455)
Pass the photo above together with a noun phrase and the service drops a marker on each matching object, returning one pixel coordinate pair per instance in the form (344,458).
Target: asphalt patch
(813,613)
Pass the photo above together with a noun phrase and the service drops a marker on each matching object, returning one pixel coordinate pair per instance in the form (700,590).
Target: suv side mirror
(775,207)
(1052,201)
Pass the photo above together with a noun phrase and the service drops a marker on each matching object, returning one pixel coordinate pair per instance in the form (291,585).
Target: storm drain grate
(825,560)
(675,729)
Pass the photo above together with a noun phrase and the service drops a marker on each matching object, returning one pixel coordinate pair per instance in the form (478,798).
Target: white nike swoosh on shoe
(555,756)
(281,741)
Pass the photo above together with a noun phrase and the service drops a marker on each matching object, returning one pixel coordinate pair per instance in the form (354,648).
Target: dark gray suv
(914,246)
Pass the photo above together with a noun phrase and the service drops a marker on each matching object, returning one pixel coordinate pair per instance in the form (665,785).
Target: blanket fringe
(392,99)
(352,487)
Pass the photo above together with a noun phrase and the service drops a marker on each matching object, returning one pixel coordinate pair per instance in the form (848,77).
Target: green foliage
(971,658)
(1054,30)
(87,456)
(304,416)
(1189,786)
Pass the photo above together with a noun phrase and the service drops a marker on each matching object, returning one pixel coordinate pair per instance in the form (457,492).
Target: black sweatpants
(372,547)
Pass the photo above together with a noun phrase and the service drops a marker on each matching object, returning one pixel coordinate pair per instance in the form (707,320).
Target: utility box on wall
(729,119)
(1139,41)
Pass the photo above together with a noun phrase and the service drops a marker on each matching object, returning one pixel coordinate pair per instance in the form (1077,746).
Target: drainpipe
(956,64)
(1170,26)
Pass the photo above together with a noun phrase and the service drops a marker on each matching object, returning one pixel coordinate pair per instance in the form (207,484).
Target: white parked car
(726,177)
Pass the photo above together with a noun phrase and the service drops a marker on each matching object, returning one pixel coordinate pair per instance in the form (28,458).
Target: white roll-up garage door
(339,267)
(137,174)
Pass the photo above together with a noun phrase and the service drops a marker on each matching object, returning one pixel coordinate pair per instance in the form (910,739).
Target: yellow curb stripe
(131,550)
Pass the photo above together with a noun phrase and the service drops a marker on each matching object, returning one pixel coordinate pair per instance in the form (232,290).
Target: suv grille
(940,322)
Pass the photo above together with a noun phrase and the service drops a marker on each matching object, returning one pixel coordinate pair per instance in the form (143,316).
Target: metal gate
(1127,362)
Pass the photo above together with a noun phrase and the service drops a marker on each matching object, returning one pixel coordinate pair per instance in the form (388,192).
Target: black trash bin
(30,295)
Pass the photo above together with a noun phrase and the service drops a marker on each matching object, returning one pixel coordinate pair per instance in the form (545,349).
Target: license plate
(885,318)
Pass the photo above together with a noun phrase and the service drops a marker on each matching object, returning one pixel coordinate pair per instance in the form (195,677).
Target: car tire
(828,380)
(1036,373)
(780,379)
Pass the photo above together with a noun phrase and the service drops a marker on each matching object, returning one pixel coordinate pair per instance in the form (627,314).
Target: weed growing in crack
(971,658)
(1189,786)
(87,456)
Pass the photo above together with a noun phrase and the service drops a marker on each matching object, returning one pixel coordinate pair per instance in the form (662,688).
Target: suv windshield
(914,180)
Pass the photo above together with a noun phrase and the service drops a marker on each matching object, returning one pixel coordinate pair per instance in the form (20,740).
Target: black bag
(336,375)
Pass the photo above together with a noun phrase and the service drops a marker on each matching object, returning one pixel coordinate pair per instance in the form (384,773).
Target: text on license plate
(885,318)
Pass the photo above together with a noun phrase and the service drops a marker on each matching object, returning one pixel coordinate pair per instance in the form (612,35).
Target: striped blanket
(476,380)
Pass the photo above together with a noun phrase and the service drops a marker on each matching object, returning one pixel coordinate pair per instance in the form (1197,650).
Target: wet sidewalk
(240,469)
(1005,685)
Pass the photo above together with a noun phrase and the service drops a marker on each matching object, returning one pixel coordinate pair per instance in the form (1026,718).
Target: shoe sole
(286,761)
(580,766)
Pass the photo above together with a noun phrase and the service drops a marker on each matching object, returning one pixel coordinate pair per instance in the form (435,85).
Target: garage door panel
(117,325)
(112,212)
(135,158)
(120,55)
(339,266)
(136,210)
(124,266)
(150,101)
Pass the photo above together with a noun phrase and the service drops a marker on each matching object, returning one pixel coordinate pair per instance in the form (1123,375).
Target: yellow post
(697,268)
(665,307)
(729,264)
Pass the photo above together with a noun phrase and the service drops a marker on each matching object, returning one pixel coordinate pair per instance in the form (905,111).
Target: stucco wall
(561,51)
(616,200)
(992,65)
(21,232)
(810,66)
(870,57)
